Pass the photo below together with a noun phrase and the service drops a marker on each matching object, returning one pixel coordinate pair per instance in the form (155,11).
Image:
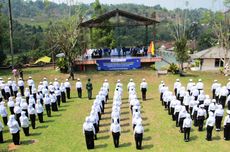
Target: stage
(115,63)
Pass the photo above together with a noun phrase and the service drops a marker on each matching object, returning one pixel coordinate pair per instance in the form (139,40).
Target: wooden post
(11,34)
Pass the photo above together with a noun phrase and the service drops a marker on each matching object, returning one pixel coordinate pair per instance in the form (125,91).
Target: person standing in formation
(68,88)
(223,96)
(210,122)
(131,84)
(10,104)
(3,112)
(21,86)
(14,129)
(138,134)
(30,83)
(32,114)
(47,103)
(213,89)
(9,82)
(79,88)
(63,92)
(89,88)
(25,123)
(227,126)
(1,133)
(39,110)
(201,114)
(219,113)
(189,86)
(116,130)
(187,124)
(89,131)
(143,87)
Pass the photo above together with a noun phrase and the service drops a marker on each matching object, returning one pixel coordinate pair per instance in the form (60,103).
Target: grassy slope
(63,132)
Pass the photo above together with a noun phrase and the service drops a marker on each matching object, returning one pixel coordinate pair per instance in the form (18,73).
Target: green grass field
(63,131)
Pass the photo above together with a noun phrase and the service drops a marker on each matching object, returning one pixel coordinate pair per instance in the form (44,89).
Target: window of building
(219,63)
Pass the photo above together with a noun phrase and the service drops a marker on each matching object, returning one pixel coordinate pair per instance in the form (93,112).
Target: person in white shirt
(45,82)
(1,133)
(213,89)
(2,87)
(68,88)
(177,110)
(47,103)
(106,85)
(195,92)
(227,126)
(25,123)
(63,90)
(138,134)
(212,107)
(7,91)
(56,84)
(32,115)
(186,101)
(173,104)
(10,104)
(210,122)
(223,96)
(201,97)
(143,87)
(189,86)
(89,131)
(27,95)
(177,85)
(219,113)
(79,88)
(24,106)
(17,112)
(131,84)
(116,130)
(201,114)
(181,117)
(9,83)
(14,88)
(200,85)
(53,101)
(3,112)
(30,83)
(57,93)
(21,86)
(14,129)
(162,90)
(217,92)
(187,124)
(39,111)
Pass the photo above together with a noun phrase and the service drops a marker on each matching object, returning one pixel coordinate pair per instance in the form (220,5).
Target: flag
(151,49)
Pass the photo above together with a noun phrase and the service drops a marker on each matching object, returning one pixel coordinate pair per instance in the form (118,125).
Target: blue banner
(118,64)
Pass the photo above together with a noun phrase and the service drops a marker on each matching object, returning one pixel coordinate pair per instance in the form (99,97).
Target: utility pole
(11,34)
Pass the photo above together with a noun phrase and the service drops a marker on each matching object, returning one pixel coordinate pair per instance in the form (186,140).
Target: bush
(173,68)
(153,67)
(62,65)
(2,57)
(197,63)
(163,68)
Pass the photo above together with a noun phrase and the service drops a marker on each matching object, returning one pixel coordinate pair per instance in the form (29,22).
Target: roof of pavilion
(98,22)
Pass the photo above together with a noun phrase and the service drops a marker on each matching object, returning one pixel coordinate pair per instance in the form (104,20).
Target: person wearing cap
(63,93)
(223,96)
(10,105)
(106,85)
(14,129)
(210,122)
(131,84)
(187,124)
(227,126)
(9,83)
(27,95)
(143,87)
(32,115)
(2,87)
(182,93)
(89,88)
(56,84)
(14,88)
(201,114)
(219,113)
(194,114)
(195,92)
(51,88)
(57,93)
(89,131)
(79,88)
(217,93)
(213,88)
(213,106)
(24,106)
(200,85)
(25,123)
(189,86)
(30,83)
(173,104)
(3,112)
(21,86)
(192,103)
(47,102)
(207,102)
(17,112)
(39,111)
(201,97)
(177,110)
(94,119)
(162,90)
(116,131)
(53,101)
(138,134)
(7,91)
(68,88)
(181,117)
(1,133)
(45,83)
(186,101)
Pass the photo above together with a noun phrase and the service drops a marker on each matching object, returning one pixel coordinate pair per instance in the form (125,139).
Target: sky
(169,4)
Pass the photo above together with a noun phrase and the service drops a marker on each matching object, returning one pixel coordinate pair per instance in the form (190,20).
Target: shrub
(153,67)
(173,68)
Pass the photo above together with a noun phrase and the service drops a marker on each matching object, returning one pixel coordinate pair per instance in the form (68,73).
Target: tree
(227,3)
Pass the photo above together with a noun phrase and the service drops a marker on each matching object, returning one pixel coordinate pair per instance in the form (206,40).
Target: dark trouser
(59,100)
(218,122)
(1,137)
(48,111)
(68,92)
(7,95)
(89,139)
(187,134)
(1,99)
(196,97)
(3,93)
(228,105)
(223,101)
(116,137)
(227,131)
(96,126)
(63,97)
(189,92)
(40,117)
(11,91)
(17,116)
(89,94)
(176,117)
(12,110)
(26,131)
(200,123)
(187,108)
(161,98)
(15,93)
(27,100)
(103,106)
(190,110)
(195,118)
(54,106)
(217,99)
(213,93)
(138,140)
(181,124)
(79,92)
(172,112)
(33,120)
(165,104)
(168,106)
(131,108)
(35,96)
(175,91)
(30,88)
(206,109)
(143,90)
(22,90)
(5,120)
(201,102)
(209,133)
(181,100)
(16,138)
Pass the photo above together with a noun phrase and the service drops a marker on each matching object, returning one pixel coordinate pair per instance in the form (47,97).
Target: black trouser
(89,139)
(26,131)
(165,104)
(33,120)
(103,106)
(16,138)
(187,133)
(161,99)
(7,95)
(176,117)
(138,140)
(116,137)
(15,93)
(68,93)
(218,122)
(181,124)
(209,133)
(30,88)
(206,109)
(175,91)
(40,117)
(1,137)
(227,131)
(27,100)
(195,118)
(5,120)
(11,91)
(89,94)
(190,110)
(54,106)
(143,90)
(1,99)
(200,120)
(181,100)
(172,112)
(12,110)
(213,93)
(59,100)
(168,106)
(228,105)
(48,110)
(195,98)
(223,100)
(17,116)
(35,96)
(79,92)
(3,93)
(217,99)
(22,90)
(63,97)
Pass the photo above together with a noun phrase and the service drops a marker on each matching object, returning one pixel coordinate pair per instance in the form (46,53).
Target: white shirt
(39,108)
(10,103)
(214,86)
(144,85)
(131,84)
(226,120)
(200,85)
(30,82)
(224,92)
(20,83)
(24,121)
(187,123)
(13,126)
(47,100)
(190,85)
(3,111)
(201,97)
(210,121)
(17,110)
(115,128)
(219,112)
(67,85)
(138,129)
(212,107)
(201,112)
(88,126)
(177,85)
(78,84)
